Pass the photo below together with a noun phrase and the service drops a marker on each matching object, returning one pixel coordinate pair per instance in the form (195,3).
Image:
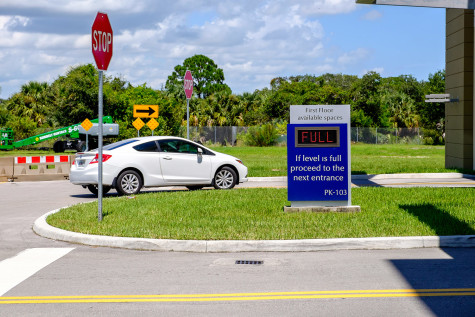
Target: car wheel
(194,187)
(225,178)
(129,183)
(93,189)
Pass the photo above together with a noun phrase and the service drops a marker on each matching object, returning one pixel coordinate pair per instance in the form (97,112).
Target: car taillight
(105,157)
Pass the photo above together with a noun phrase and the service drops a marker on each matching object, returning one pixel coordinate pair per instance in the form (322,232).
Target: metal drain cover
(251,262)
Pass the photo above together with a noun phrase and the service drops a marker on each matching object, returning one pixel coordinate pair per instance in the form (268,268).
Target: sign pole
(99,185)
(188,119)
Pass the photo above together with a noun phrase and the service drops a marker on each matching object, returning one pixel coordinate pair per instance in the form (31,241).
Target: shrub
(265,135)
(433,137)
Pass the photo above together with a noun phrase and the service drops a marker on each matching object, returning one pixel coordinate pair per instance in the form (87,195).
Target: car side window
(177,146)
(147,147)
(185,147)
(168,146)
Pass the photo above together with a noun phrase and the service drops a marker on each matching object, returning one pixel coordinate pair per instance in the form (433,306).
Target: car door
(182,163)
(147,160)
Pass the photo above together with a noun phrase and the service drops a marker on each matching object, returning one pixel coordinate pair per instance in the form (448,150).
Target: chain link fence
(387,135)
(231,135)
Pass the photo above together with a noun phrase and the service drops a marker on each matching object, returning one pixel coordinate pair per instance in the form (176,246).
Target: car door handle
(167,158)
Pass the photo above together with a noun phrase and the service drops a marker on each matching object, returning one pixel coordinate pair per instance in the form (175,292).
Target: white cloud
(353,56)
(379,70)
(76,6)
(372,15)
(252,40)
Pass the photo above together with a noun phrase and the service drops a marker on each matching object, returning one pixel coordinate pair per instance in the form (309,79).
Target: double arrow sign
(145,111)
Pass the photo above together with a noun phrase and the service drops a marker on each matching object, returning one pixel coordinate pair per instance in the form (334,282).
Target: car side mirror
(200,155)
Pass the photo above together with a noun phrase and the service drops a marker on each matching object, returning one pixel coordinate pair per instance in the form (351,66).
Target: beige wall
(459,81)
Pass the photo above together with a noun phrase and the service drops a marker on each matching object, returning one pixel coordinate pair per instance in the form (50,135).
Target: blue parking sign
(318,156)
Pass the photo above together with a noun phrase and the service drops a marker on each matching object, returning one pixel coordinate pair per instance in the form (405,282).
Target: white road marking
(15,270)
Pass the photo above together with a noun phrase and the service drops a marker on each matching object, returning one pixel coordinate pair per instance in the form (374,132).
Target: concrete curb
(413,176)
(42,228)
(376,176)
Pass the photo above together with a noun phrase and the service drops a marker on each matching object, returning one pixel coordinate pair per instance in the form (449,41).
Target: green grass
(397,158)
(258,214)
(365,159)
(28,153)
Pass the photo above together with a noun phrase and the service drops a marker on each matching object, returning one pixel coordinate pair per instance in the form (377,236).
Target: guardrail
(35,168)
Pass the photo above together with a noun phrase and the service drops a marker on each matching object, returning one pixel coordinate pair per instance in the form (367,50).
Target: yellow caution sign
(86,124)
(145,111)
(138,124)
(152,124)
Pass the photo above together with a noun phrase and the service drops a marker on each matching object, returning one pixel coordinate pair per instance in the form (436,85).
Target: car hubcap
(224,179)
(129,183)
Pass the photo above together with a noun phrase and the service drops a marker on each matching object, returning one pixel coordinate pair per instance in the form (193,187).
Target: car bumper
(89,175)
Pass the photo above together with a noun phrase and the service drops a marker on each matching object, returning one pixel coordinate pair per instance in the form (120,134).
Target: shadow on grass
(439,220)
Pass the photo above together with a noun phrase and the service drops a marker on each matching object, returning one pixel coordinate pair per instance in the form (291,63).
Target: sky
(253,41)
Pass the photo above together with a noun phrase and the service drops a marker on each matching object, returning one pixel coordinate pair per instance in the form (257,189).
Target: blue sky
(253,41)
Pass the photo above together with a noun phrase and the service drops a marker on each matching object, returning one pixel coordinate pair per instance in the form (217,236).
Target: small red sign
(188,84)
(102,41)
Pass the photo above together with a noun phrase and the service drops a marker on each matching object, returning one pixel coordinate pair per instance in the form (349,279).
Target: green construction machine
(77,135)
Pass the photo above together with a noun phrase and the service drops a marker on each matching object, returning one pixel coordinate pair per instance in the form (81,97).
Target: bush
(433,137)
(265,135)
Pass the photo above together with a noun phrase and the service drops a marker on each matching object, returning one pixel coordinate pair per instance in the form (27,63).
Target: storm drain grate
(249,262)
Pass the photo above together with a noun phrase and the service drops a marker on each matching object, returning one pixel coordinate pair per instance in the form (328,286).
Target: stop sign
(102,41)
(188,84)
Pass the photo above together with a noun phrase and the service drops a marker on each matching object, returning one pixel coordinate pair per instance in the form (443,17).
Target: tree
(30,102)
(75,96)
(433,113)
(366,97)
(207,77)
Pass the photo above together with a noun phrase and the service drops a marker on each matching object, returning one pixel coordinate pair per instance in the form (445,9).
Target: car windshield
(118,144)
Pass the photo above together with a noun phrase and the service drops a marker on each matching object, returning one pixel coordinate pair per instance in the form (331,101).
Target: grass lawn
(365,159)
(258,214)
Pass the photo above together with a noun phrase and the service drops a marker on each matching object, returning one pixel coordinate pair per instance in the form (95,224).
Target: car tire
(225,178)
(195,187)
(129,182)
(94,190)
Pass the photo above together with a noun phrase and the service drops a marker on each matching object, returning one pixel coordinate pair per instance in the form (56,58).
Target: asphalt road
(95,281)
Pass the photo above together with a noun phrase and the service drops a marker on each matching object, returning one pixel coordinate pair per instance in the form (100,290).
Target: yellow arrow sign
(145,111)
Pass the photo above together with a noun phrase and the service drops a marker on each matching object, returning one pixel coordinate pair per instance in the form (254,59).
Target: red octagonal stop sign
(188,84)
(102,41)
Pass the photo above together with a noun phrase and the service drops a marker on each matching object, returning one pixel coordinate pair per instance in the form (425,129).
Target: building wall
(459,81)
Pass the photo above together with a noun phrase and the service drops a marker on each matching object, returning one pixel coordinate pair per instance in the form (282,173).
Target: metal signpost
(87,125)
(318,156)
(102,51)
(188,86)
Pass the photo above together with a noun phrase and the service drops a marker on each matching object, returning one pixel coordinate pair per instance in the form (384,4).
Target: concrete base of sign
(323,209)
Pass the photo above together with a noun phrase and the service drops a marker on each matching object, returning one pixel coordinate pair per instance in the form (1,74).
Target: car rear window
(116,145)
(147,147)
